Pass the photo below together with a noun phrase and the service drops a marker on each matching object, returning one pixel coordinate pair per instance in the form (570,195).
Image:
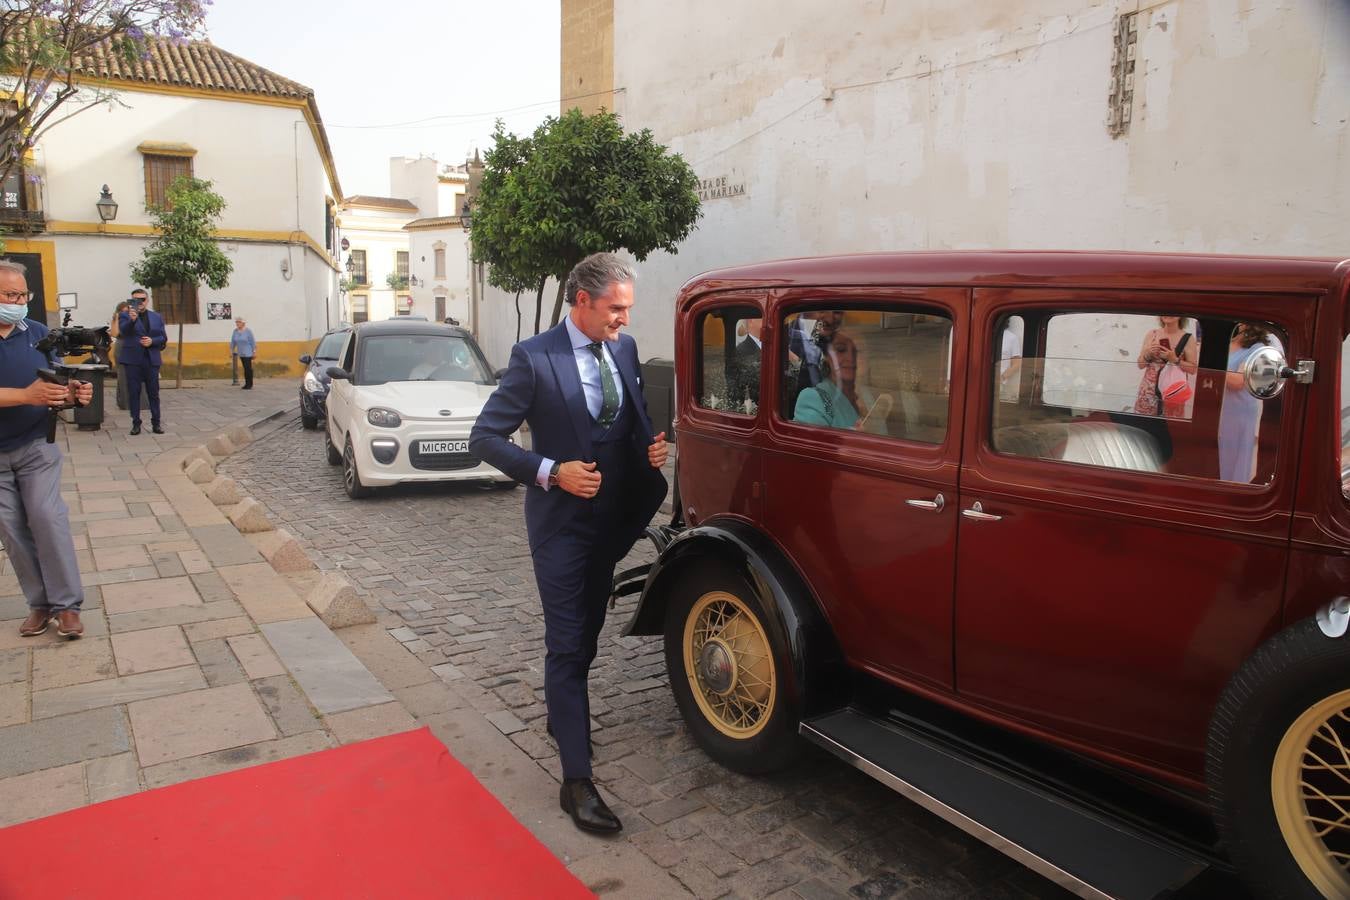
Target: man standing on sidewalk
(245,347)
(34,521)
(141,337)
(596,482)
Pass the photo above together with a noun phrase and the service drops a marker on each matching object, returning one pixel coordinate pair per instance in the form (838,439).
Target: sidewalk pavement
(201,653)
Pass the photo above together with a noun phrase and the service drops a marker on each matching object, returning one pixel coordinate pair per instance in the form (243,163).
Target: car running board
(1074,847)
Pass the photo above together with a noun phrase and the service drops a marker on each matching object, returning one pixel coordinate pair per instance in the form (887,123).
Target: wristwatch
(553,474)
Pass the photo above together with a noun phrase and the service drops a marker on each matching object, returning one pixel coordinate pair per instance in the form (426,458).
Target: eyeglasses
(15,296)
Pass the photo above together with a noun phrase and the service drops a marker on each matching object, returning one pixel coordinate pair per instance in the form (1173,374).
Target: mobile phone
(1166,343)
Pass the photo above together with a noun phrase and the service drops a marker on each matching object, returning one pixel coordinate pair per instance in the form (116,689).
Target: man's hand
(42,393)
(81,392)
(145,342)
(133,314)
(658,451)
(579,478)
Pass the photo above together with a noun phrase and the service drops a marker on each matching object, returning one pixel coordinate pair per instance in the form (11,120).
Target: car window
(728,367)
(349,351)
(420,357)
(1345,417)
(885,372)
(330,346)
(1138,392)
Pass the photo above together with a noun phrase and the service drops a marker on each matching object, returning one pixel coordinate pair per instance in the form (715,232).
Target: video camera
(69,340)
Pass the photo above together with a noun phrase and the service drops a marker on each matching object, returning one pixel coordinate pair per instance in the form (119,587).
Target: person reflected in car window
(1240,418)
(840,399)
(431,357)
(744,394)
(1168,343)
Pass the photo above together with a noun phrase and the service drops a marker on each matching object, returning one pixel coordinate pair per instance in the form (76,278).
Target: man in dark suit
(141,337)
(595,483)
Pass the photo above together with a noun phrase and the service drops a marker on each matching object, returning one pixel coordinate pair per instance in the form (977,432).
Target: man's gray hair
(10,265)
(595,274)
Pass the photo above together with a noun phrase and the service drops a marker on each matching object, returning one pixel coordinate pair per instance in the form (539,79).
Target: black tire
(308,420)
(748,727)
(334,457)
(1262,725)
(351,476)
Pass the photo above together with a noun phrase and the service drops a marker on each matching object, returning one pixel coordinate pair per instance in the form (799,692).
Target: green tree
(185,251)
(577,186)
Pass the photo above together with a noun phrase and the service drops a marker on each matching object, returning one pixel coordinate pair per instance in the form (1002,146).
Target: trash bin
(90,418)
(658,384)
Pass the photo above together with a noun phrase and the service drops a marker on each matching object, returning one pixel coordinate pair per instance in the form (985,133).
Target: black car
(314,387)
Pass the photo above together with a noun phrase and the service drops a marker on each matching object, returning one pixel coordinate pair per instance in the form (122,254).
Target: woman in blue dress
(1240,418)
(839,401)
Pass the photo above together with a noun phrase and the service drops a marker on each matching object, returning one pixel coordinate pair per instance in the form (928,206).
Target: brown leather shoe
(36,623)
(68,623)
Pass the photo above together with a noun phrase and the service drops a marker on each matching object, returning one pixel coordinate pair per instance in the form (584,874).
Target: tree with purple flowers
(42,45)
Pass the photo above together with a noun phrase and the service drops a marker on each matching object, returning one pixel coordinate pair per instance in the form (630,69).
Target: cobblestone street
(449,570)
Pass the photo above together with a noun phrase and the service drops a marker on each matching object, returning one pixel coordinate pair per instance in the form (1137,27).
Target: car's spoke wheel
(729,669)
(729,664)
(351,478)
(1310,789)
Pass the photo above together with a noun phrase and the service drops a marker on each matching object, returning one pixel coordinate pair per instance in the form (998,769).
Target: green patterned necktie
(610,407)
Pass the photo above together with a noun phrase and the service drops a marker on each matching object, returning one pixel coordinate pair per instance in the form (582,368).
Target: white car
(404,397)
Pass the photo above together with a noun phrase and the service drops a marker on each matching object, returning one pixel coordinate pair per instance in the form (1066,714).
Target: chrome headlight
(313,384)
(384,418)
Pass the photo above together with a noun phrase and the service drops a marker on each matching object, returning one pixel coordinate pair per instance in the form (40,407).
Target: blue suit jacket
(541,386)
(129,334)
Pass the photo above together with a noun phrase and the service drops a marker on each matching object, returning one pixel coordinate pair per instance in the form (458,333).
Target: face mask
(12,313)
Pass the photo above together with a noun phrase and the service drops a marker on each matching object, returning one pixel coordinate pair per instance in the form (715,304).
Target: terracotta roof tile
(194,64)
(379,202)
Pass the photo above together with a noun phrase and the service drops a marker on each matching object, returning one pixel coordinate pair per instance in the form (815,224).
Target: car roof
(403,325)
(1032,268)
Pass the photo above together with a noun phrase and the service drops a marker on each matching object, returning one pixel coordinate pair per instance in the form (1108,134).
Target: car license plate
(432,447)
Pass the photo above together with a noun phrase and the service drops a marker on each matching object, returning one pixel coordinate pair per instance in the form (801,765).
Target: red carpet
(396,817)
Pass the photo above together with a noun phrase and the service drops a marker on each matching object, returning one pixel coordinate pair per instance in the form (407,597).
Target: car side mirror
(1264,373)
(338,373)
(306,359)
(499,374)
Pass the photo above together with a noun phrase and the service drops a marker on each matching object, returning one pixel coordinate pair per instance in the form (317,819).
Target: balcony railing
(27,221)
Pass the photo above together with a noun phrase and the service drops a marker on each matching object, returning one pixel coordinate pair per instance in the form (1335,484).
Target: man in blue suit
(142,337)
(596,482)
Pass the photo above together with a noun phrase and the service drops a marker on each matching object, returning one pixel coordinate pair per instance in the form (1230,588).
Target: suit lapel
(631,386)
(564,363)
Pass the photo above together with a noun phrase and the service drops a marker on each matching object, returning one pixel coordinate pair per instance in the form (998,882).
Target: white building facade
(1194,125)
(257,137)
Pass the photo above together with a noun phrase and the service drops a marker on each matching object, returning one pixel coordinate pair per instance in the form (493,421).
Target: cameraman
(140,338)
(34,525)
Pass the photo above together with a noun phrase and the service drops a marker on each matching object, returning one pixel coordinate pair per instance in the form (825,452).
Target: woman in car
(839,400)
(1168,343)
(1240,417)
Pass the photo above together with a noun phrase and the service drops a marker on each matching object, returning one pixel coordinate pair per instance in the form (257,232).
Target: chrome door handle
(935,504)
(977,513)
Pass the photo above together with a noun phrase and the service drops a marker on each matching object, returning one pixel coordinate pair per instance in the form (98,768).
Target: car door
(866,510)
(1112,570)
(340,394)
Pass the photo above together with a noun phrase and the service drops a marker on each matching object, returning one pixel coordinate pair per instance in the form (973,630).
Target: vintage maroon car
(1057,544)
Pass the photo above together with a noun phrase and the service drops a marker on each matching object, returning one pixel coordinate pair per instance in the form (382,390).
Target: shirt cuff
(544,468)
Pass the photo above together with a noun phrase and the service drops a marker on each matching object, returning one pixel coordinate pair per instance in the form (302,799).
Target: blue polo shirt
(19,362)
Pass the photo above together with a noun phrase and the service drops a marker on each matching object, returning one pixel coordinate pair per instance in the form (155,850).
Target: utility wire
(460,118)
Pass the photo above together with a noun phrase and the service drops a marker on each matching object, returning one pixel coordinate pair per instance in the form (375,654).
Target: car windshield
(331,345)
(418,357)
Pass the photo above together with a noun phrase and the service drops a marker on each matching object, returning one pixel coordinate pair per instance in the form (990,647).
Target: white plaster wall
(276,309)
(415,180)
(262,159)
(455,285)
(966,124)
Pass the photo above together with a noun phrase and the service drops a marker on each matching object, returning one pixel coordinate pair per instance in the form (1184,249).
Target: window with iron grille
(401,265)
(359,271)
(160,172)
(177,303)
(359,313)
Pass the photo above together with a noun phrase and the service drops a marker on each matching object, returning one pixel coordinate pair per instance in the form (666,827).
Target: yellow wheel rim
(729,665)
(1310,787)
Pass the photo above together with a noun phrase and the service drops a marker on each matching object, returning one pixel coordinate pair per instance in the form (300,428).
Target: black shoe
(590,745)
(156,429)
(136,428)
(580,800)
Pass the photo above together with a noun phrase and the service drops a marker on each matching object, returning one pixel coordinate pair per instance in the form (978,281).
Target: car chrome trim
(1334,618)
(955,817)
(936,504)
(977,513)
